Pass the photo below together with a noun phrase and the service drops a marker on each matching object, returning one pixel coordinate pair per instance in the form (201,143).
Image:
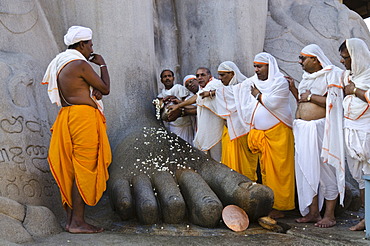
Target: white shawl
(238,105)
(53,70)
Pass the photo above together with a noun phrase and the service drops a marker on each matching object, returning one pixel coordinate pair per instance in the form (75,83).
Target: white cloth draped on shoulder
(210,125)
(53,70)
(238,105)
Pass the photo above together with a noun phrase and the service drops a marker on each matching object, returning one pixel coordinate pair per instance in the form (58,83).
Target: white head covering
(360,55)
(188,77)
(313,50)
(273,74)
(229,66)
(76,34)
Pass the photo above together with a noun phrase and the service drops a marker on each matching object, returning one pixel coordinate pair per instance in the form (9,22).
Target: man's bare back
(310,111)
(73,87)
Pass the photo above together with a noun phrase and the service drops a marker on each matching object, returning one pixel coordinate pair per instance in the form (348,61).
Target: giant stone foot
(152,151)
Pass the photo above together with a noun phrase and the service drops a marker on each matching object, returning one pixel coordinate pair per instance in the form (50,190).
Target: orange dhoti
(277,162)
(79,151)
(237,156)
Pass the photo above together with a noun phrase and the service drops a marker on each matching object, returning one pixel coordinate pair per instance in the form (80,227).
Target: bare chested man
(79,152)
(315,179)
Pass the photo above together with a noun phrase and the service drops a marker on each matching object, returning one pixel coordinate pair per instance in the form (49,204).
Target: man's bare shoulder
(76,66)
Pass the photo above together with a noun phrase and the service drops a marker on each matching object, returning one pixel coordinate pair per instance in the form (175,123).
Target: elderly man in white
(207,137)
(319,155)
(356,58)
(235,152)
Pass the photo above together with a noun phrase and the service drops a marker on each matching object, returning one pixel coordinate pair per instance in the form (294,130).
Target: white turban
(229,66)
(187,77)
(313,50)
(76,34)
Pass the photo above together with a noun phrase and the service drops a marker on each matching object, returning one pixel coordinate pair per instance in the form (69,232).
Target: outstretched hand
(173,107)
(205,94)
(291,82)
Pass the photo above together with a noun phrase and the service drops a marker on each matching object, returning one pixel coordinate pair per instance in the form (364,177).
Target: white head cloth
(229,66)
(354,107)
(360,56)
(76,34)
(313,50)
(188,77)
(273,73)
(309,80)
(275,89)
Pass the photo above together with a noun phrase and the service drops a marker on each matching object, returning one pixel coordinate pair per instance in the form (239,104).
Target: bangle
(258,94)
(102,65)
(182,112)
(354,91)
(309,97)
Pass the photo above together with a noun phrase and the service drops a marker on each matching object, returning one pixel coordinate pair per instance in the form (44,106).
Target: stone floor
(131,233)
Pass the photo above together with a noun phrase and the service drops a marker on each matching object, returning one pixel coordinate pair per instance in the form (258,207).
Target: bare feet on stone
(276,214)
(309,218)
(326,223)
(359,227)
(83,228)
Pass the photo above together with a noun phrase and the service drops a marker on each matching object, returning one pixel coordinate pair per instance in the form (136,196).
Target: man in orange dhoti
(272,134)
(260,108)
(79,153)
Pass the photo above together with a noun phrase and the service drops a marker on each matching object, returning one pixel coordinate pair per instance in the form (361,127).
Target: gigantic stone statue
(139,39)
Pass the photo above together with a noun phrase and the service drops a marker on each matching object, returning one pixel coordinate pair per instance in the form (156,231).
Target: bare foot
(359,227)
(313,218)
(84,228)
(326,223)
(276,214)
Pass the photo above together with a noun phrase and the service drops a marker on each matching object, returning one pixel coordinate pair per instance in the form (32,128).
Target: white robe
(309,135)
(210,126)
(238,106)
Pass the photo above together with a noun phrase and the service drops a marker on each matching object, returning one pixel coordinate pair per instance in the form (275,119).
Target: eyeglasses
(345,57)
(303,58)
(200,75)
